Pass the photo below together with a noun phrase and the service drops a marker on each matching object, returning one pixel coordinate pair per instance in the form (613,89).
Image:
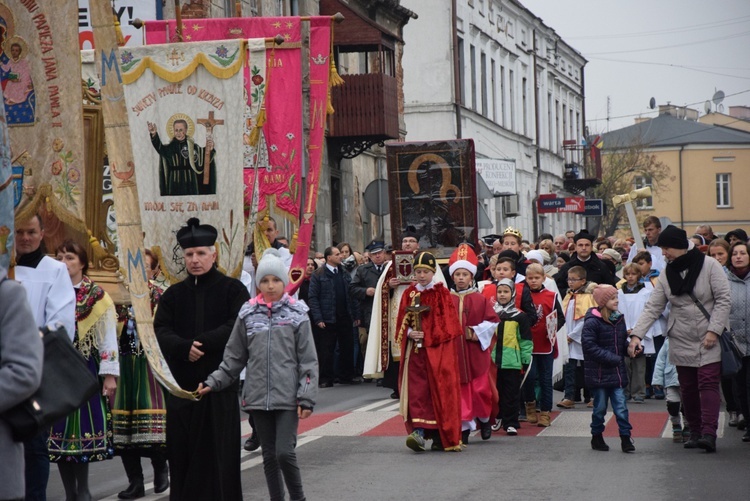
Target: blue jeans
(619,408)
(541,371)
(569,376)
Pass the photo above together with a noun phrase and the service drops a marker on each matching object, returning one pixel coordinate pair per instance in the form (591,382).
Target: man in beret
(192,324)
(584,256)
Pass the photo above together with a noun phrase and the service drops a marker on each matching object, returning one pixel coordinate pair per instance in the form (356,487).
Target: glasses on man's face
(572,280)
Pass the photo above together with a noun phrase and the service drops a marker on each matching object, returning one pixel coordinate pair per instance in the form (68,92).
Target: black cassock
(203,438)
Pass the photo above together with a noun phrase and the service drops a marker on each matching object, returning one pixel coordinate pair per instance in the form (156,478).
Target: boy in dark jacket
(605,343)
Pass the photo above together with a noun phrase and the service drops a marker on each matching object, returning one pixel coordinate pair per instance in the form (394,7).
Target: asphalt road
(353,448)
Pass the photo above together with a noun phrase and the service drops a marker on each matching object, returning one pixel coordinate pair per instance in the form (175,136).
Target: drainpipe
(456,69)
(534,207)
(682,215)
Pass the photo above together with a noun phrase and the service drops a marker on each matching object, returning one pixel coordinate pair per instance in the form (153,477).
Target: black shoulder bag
(731,356)
(66,384)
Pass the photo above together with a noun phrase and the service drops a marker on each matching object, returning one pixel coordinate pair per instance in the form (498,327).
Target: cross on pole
(209,124)
(417,310)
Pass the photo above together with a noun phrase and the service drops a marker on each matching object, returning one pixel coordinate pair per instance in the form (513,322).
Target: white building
(494,72)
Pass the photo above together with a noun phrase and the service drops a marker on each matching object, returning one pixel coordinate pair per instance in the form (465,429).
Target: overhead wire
(692,68)
(709,25)
(684,44)
(641,113)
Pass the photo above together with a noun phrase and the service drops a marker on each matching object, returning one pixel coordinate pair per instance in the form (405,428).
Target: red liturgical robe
(428,381)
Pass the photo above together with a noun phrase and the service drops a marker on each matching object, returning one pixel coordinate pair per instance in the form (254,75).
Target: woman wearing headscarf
(690,278)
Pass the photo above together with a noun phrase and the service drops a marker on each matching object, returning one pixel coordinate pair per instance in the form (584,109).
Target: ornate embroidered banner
(320,40)
(181,101)
(41,82)
(280,181)
(9,189)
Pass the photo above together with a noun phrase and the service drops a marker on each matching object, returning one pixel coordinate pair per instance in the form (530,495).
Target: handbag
(731,356)
(66,384)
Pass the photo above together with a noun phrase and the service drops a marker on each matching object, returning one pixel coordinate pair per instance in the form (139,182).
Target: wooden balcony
(366,111)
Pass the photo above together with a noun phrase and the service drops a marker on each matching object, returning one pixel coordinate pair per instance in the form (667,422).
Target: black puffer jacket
(322,299)
(605,346)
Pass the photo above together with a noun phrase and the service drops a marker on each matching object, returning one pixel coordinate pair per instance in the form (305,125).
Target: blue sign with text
(594,207)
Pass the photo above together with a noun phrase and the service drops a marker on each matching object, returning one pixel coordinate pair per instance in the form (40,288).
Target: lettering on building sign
(181,207)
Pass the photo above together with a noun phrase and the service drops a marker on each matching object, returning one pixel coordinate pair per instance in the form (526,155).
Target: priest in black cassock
(192,324)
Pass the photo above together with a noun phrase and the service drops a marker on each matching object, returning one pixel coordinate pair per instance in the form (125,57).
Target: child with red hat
(478,323)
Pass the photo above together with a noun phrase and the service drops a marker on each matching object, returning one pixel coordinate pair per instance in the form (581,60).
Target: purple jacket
(605,346)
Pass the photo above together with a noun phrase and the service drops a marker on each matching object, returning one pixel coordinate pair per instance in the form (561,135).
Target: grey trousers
(277,431)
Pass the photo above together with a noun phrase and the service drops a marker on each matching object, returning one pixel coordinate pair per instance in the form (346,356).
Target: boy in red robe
(478,324)
(429,388)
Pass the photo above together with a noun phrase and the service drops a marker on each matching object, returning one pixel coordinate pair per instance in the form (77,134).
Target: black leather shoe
(134,491)
(161,479)
(252,443)
(486,430)
(707,443)
(325,385)
(746,436)
(394,395)
(465,436)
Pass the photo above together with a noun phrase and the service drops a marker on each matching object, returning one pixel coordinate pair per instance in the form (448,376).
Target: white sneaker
(511,431)
(497,426)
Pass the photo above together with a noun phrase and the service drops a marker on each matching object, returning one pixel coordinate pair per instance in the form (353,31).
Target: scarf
(692,262)
(740,273)
(507,310)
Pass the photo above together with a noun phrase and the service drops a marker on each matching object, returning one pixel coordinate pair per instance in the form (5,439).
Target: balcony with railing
(583,166)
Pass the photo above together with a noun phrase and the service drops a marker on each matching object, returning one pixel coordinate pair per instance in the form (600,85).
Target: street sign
(594,207)
(548,204)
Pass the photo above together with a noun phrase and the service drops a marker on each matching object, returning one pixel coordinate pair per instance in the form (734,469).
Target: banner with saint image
(41,83)
(187,131)
(9,190)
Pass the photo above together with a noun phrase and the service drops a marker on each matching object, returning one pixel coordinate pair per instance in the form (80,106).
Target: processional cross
(209,124)
(417,310)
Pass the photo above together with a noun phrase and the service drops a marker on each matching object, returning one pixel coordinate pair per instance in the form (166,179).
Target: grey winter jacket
(687,326)
(277,347)
(739,315)
(21,353)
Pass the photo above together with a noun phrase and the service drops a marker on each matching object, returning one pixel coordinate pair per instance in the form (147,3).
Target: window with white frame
(473,66)
(723,198)
(642,182)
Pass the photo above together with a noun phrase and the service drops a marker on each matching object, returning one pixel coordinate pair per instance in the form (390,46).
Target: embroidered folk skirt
(139,415)
(85,435)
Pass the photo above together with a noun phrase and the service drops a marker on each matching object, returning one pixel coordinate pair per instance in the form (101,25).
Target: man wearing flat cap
(192,324)
(584,256)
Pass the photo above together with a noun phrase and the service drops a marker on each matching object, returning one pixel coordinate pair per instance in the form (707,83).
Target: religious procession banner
(41,82)
(280,91)
(9,191)
(320,42)
(187,131)
(274,96)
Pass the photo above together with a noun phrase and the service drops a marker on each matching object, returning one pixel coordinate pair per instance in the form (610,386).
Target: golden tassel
(260,121)
(118,32)
(293,245)
(334,79)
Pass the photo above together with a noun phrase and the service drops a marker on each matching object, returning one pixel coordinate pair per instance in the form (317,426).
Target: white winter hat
(271,264)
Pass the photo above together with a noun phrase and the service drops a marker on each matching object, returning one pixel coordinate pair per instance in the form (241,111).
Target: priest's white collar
(422,288)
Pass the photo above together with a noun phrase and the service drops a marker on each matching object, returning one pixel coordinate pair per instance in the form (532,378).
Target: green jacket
(514,345)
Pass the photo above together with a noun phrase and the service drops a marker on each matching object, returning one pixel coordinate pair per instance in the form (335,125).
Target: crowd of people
(476,344)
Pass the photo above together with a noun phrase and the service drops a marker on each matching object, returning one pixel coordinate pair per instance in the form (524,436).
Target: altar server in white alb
(53,301)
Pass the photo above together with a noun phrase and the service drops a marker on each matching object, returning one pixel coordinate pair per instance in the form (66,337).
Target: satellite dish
(718,97)
(707,107)
(652,103)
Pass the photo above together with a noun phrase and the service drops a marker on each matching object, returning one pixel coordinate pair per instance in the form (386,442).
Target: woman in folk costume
(139,414)
(85,435)
(478,324)
(429,384)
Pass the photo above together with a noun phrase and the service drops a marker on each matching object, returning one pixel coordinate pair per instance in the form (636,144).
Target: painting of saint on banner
(185,168)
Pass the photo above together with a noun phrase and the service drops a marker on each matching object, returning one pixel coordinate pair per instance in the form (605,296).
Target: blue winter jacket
(322,298)
(605,346)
